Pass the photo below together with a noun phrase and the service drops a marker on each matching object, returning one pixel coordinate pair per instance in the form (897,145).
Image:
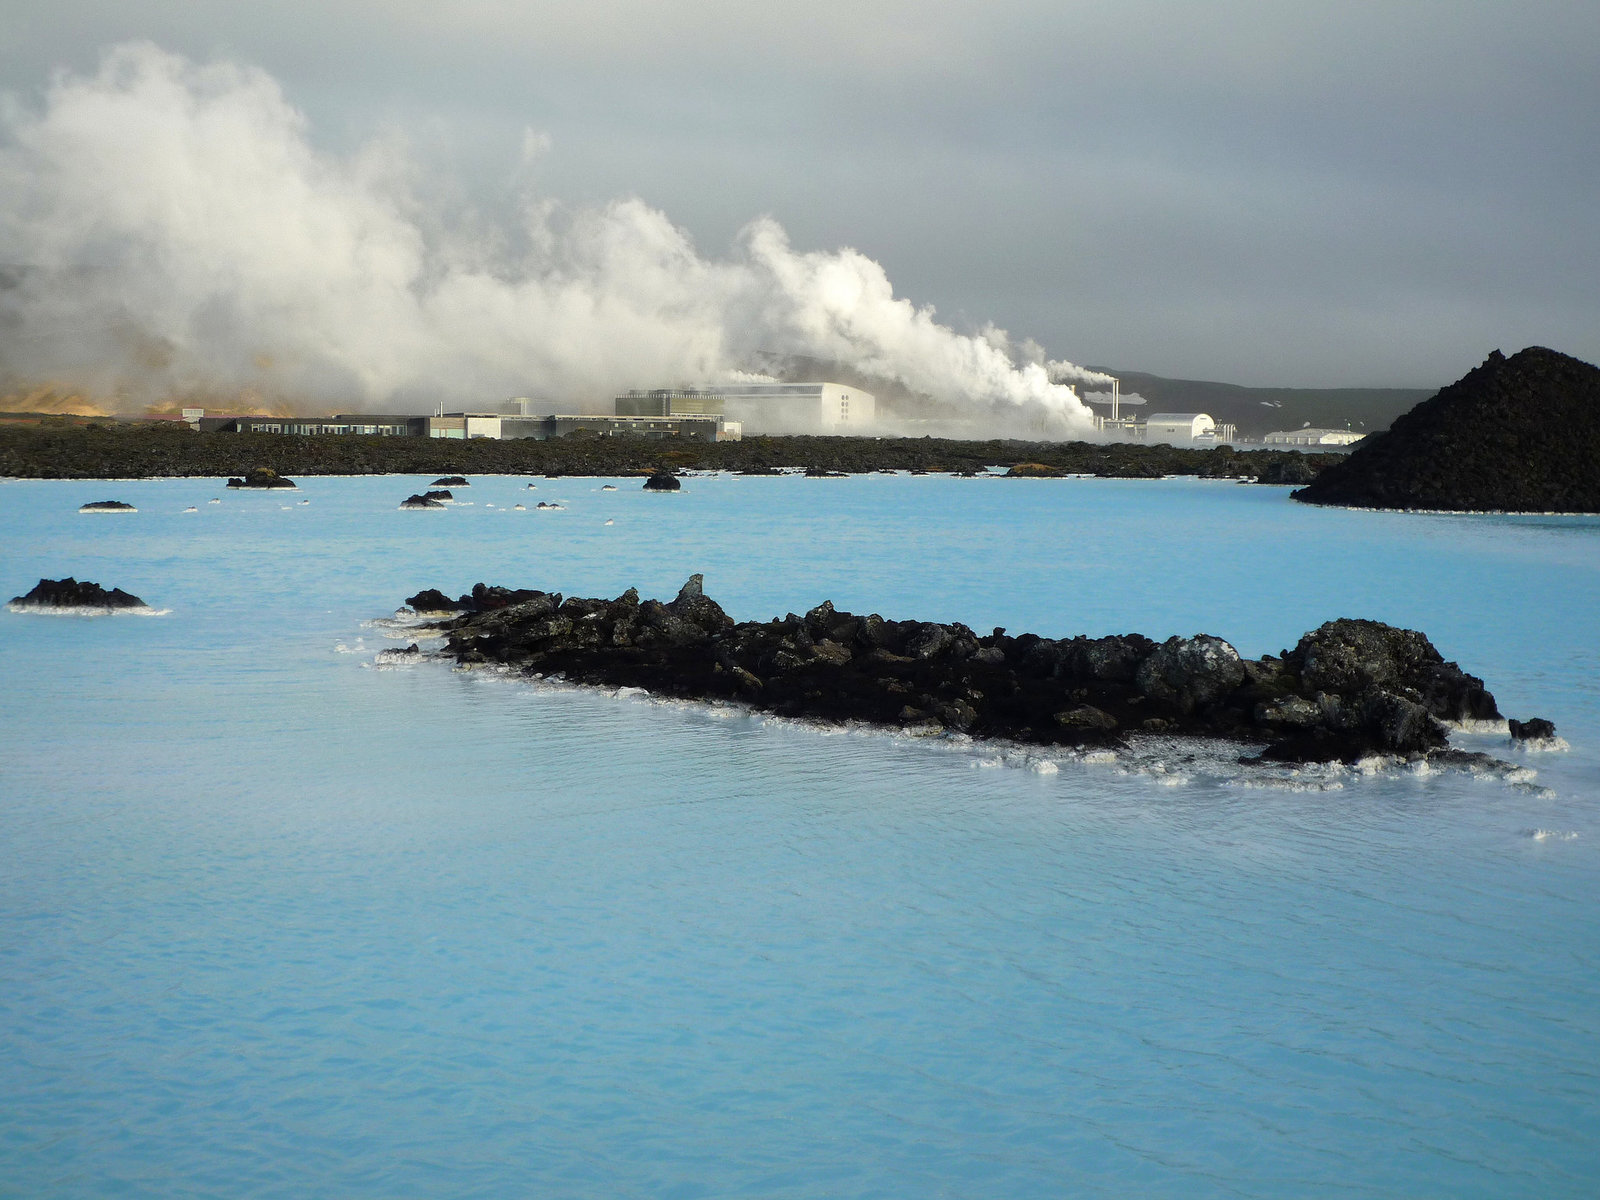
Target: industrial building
(1312,437)
(360,423)
(713,413)
(835,408)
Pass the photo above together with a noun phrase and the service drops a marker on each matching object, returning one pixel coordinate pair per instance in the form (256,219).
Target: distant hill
(1518,434)
(1257,411)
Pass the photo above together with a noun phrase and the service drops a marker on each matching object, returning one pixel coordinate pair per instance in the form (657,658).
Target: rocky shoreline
(1348,690)
(112,450)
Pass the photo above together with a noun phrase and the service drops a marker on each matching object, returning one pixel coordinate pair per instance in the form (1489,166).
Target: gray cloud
(1353,194)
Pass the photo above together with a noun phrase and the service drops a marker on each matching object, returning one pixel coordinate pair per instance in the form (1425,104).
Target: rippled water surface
(277,922)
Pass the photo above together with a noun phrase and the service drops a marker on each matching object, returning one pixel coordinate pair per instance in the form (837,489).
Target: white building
(464,425)
(798,407)
(1312,437)
(1181,429)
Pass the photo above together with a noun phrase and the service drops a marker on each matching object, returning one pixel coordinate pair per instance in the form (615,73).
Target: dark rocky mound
(261,477)
(1348,689)
(1536,729)
(421,501)
(1291,468)
(824,473)
(1518,434)
(437,494)
(69,593)
(662,481)
(449,481)
(106,506)
(482,598)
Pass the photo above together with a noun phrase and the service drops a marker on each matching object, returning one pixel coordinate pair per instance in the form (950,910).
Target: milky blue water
(277,922)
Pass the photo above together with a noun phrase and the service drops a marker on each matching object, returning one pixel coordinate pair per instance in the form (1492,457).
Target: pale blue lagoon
(276,921)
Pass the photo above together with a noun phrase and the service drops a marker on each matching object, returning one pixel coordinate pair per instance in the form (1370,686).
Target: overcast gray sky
(1266,193)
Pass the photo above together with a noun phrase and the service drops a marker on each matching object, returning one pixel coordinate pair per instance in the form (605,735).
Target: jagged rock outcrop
(261,477)
(423,500)
(1291,468)
(1518,434)
(449,481)
(662,481)
(70,593)
(1348,689)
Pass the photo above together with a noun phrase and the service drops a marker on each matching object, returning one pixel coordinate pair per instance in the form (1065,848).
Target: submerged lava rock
(107,506)
(70,593)
(261,477)
(1347,690)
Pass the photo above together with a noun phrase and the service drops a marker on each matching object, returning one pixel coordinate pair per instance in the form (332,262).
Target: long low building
(1312,437)
(814,408)
(497,426)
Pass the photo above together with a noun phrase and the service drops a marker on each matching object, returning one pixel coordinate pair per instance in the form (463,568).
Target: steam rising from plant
(172,233)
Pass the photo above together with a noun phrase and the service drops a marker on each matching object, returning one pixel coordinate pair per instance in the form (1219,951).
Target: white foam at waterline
(1472,725)
(1550,835)
(398,658)
(191,509)
(1549,745)
(1163,760)
(106,512)
(85,610)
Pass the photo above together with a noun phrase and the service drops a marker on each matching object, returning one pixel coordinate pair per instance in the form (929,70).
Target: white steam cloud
(169,230)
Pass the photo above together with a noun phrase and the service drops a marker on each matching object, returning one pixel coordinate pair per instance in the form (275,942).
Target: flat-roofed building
(691,428)
(345,423)
(834,408)
(1312,437)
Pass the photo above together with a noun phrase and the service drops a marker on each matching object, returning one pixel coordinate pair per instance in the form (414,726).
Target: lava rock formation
(1348,689)
(1518,434)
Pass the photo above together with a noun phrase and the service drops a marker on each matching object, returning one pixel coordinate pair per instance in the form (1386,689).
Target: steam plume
(171,231)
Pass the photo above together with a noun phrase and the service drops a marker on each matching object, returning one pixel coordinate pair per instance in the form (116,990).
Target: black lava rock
(1292,468)
(1348,689)
(70,593)
(1518,434)
(450,481)
(662,481)
(261,477)
(421,501)
(107,506)
(1535,729)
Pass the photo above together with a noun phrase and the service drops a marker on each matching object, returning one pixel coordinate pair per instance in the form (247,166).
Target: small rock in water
(261,477)
(1534,729)
(70,593)
(662,481)
(415,501)
(450,481)
(107,506)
